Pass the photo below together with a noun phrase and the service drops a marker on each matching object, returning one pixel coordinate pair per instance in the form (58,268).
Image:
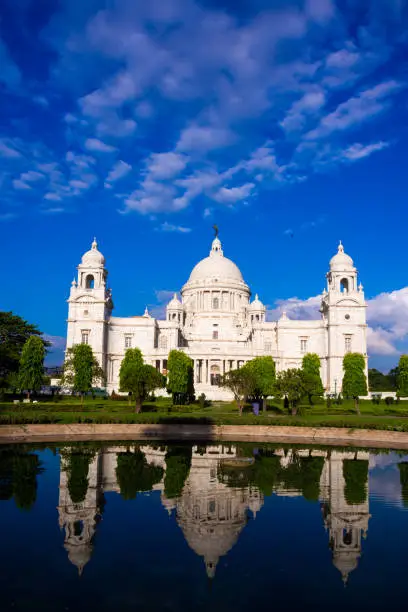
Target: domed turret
(93,258)
(341,261)
(175,309)
(257,310)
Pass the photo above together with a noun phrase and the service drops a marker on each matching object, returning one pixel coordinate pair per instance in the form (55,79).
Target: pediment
(85,299)
(347,302)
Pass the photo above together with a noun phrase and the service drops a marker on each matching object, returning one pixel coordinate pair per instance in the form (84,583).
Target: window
(268,347)
(85,336)
(89,282)
(163,342)
(344,285)
(216,303)
(303,345)
(86,313)
(215,334)
(211,507)
(347,344)
(128,342)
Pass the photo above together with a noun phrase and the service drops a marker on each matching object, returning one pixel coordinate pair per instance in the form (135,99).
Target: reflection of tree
(134,474)
(18,477)
(355,472)
(403,470)
(178,463)
(78,461)
(266,472)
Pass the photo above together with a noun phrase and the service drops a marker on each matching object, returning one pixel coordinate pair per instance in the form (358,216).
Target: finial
(360,287)
(215,228)
(256,297)
(146,313)
(74,283)
(94,244)
(340,247)
(175,296)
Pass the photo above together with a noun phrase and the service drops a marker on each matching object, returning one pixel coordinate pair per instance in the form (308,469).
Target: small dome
(341,261)
(93,257)
(175,303)
(216,266)
(256,304)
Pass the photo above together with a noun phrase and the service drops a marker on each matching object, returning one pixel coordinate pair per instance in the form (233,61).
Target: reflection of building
(79,520)
(212,514)
(216,323)
(346,523)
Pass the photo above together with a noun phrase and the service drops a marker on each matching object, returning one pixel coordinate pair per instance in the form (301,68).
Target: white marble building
(216,323)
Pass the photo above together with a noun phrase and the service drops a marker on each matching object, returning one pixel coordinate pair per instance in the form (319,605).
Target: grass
(69,410)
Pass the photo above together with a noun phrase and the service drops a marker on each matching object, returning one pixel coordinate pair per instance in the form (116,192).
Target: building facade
(216,323)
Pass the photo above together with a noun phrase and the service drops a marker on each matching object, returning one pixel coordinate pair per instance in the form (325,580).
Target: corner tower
(90,304)
(344,313)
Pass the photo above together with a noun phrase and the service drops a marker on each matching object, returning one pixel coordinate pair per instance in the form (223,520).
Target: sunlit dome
(216,266)
(256,304)
(93,257)
(341,261)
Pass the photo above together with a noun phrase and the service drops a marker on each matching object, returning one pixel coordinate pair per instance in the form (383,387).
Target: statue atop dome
(216,230)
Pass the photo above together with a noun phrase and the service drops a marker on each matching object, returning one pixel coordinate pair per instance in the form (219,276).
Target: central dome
(216,266)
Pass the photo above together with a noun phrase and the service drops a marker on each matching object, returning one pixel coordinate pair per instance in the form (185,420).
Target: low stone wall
(255,433)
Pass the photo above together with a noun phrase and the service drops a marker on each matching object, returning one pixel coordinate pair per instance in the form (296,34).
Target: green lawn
(69,410)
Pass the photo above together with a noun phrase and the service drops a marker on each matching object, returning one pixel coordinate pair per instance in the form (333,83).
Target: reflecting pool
(151,526)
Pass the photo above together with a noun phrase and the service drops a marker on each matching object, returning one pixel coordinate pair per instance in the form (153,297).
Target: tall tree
(241,383)
(31,372)
(311,376)
(26,468)
(354,379)
(290,384)
(135,475)
(82,369)
(180,377)
(402,377)
(355,473)
(178,463)
(137,377)
(14,332)
(377,381)
(263,372)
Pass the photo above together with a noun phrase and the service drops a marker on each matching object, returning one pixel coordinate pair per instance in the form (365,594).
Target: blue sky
(144,123)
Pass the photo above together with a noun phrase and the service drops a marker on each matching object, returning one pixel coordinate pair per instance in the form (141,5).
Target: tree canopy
(263,374)
(402,376)
(240,382)
(377,381)
(354,379)
(311,376)
(31,371)
(137,377)
(14,332)
(82,369)
(180,377)
(178,463)
(355,472)
(135,475)
(290,384)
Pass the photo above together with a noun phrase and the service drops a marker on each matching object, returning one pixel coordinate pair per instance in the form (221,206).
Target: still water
(202,527)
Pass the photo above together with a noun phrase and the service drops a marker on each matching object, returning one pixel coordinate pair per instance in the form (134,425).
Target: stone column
(206,371)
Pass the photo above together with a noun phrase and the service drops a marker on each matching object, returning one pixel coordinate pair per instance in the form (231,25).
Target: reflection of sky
(385,482)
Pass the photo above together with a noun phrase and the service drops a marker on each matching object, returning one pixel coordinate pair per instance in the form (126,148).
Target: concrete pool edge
(252,433)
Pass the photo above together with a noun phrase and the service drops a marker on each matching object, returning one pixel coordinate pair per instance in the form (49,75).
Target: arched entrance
(215,375)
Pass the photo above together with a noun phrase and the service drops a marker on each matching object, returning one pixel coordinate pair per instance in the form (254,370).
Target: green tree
(76,464)
(31,372)
(14,332)
(355,473)
(82,370)
(402,377)
(263,373)
(311,376)
(311,470)
(241,383)
(137,377)
(135,475)
(354,378)
(403,470)
(377,381)
(26,468)
(392,378)
(178,463)
(290,384)
(180,377)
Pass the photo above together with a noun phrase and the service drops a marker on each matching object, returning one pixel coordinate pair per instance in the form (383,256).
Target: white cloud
(204,138)
(168,227)
(31,176)
(6,150)
(94,144)
(358,150)
(231,195)
(166,165)
(20,185)
(119,170)
(54,197)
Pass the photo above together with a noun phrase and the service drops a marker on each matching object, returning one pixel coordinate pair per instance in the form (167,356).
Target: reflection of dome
(345,561)
(93,257)
(216,266)
(79,554)
(341,261)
